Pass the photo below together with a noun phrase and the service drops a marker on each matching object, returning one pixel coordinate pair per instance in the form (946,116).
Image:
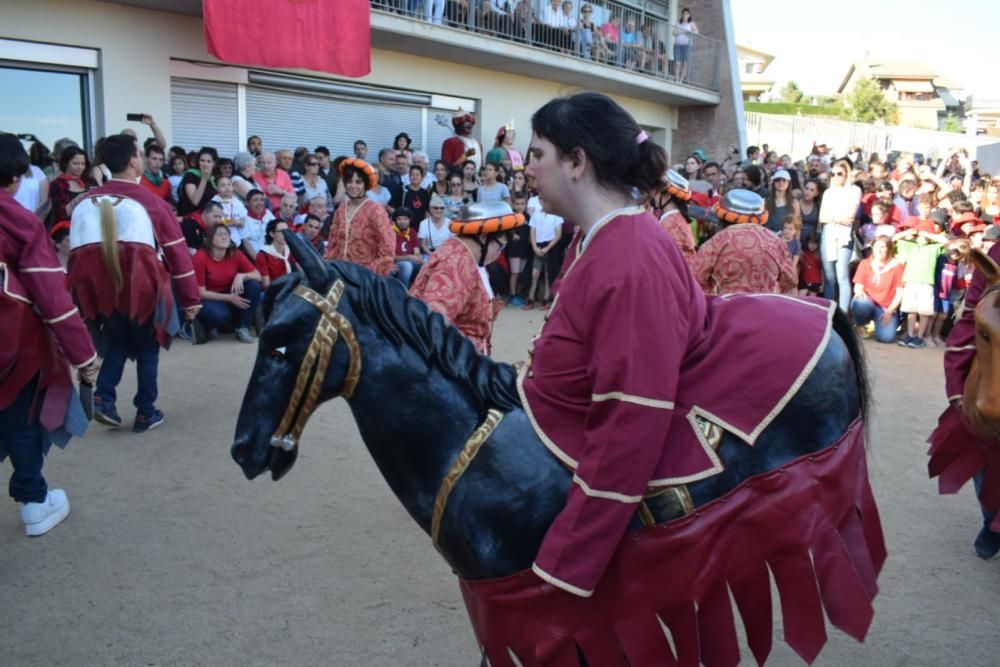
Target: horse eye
(984,335)
(279,352)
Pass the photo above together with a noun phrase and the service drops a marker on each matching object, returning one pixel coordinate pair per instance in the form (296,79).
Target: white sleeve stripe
(87,362)
(64,316)
(960,349)
(952,398)
(630,398)
(185,275)
(607,495)
(559,583)
(42,269)
(180,240)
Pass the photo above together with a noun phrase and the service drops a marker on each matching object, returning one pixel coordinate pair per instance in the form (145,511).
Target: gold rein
(317,358)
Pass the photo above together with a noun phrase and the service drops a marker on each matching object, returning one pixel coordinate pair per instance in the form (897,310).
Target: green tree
(951,123)
(791,92)
(866,103)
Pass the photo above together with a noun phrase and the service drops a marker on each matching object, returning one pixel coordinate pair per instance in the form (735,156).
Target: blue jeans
(864,310)
(127,339)
(435,8)
(407,270)
(584,39)
(215,314)
(837,275)
(22,439)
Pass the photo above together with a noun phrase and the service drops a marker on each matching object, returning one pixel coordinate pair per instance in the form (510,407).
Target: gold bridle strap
(458,468)
(317,358)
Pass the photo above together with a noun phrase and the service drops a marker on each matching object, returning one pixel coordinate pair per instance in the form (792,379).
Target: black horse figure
(496,517)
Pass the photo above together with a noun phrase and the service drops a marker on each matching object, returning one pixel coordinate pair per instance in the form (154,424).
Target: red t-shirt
(217,275)
(880,287)
(272,266)
(406,242)
(162,190)
(810,268)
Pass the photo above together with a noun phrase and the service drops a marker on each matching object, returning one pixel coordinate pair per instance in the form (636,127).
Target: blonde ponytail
(109,244)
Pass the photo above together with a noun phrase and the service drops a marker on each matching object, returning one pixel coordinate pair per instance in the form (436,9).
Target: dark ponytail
(624,158)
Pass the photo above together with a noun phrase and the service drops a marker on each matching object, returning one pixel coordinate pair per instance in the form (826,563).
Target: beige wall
(136,47)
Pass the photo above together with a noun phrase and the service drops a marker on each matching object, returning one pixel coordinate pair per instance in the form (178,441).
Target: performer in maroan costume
(118,233)
(671,208)
(632,362)
(42,334)
(360,231)
(454,282)
(461,147)
(743,256)
(958,452)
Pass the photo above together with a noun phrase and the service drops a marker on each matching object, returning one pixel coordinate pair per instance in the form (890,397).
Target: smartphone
(135,116)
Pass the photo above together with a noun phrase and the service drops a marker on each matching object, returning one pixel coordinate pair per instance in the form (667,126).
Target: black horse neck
(413,418)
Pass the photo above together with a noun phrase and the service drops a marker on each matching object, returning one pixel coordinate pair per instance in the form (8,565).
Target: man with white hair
(421,159)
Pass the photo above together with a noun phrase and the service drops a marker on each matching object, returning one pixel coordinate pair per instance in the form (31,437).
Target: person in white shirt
(31,195)
(434,230)
(421,159)
(256,223)
(234,212)
(546,230)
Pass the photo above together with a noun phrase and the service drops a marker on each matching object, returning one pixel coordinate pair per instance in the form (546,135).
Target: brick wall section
(711,128)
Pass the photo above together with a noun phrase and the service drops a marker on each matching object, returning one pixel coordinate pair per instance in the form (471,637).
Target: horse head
(298,364)
(981,397)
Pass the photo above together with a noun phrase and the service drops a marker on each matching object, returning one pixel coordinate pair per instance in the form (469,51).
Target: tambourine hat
(677,186)
(477,218)
(371,178)
(741,207)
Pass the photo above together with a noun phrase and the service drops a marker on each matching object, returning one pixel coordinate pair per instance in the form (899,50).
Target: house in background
(754,82)
(924,99)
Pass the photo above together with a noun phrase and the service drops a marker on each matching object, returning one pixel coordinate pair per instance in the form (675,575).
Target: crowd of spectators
(887,237)
(603,32)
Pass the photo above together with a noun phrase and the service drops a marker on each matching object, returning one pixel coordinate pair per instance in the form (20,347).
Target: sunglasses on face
(312,164)
(437,208)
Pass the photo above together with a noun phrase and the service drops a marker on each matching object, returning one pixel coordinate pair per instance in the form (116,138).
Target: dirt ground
(170,557)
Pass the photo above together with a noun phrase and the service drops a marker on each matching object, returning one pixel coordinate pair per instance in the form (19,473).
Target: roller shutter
(204,114)
(286,119)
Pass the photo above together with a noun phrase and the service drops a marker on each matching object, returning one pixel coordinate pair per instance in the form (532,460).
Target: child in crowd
(810,268)
(790,235)
(518,251)
(546,230)
(949,289)
(408,257)
(234,212)
(919,247)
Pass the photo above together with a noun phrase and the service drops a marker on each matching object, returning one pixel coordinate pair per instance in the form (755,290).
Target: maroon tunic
(41,331)
(957,452)
(631,353)
(147,292)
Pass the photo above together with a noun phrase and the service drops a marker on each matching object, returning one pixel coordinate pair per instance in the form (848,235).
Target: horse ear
(308,258)
(985,263)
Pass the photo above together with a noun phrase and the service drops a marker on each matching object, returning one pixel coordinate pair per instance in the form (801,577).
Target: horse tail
(109,244)
(845,328)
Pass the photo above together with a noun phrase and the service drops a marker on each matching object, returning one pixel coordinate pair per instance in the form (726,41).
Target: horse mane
(404,319)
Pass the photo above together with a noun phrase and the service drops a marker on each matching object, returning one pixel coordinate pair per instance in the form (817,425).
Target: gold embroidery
(458,468)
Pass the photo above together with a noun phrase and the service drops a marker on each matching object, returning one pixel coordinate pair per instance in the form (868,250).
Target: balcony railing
(610,34)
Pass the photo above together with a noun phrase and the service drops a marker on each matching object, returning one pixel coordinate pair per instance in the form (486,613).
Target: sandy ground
(171,557)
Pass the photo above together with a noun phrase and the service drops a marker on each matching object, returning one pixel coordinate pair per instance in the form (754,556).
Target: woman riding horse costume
(661,450)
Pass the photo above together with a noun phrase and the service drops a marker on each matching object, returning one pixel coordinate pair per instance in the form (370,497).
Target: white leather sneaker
(40,518)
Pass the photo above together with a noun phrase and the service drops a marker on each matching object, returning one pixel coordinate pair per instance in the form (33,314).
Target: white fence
(795,135)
